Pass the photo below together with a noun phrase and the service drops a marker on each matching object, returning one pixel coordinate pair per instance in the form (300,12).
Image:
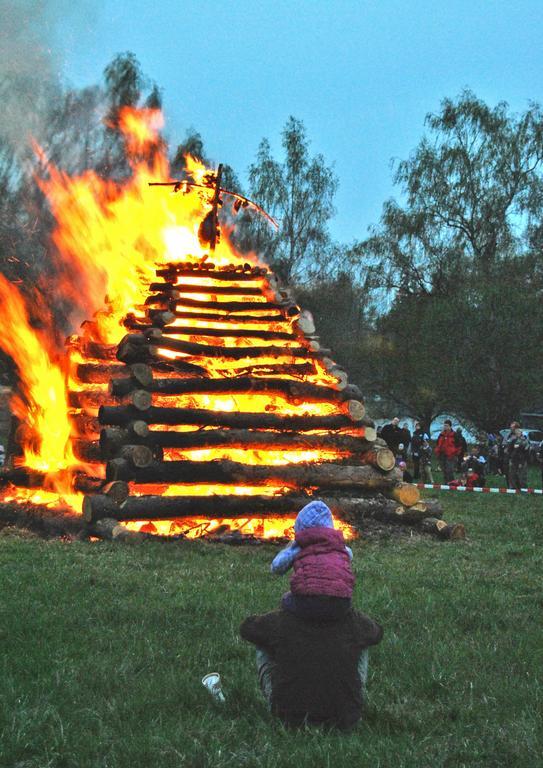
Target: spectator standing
(392,435)
(419,435)
(517,451)
(540,460)
(426,462)
(462,446)
(447,451)
(406,436)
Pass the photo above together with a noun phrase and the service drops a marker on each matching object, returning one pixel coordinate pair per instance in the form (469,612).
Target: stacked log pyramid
(226,333)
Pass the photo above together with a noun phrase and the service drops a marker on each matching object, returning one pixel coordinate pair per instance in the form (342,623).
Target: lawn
(104,646)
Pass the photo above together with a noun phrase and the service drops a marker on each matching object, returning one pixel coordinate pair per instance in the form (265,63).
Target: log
(87,450)
(432,507)
(221,275)
(231,353)
(84,398)
(355,409)
(43,520)
(218,290)
(158,318)
(383,459)
(92,350)
(335,370)
(137,456)
(121,415)
(305,323)
(454,532)
(297,476)
(405,494)
(117,491)
(111,530)
(139,398)
(213,507)
(287,308)
(136,430)
(262,440)
(85,424)
(295,391)
(225,317)
(234,332)
(98,373)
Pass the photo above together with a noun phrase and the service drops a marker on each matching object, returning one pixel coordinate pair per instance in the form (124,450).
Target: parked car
(535,436)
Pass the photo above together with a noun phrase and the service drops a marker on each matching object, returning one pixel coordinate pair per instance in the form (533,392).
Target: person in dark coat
(517,451)
(418,437)
(393,435)
(462,446)
(312,672)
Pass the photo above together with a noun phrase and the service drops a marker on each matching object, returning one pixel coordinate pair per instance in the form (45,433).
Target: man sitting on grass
(312,672)
(311,655)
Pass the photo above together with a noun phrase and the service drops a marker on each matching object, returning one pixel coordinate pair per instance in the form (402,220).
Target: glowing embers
(258,527)
(39,496)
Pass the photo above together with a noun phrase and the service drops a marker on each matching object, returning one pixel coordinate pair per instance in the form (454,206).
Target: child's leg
(265,666)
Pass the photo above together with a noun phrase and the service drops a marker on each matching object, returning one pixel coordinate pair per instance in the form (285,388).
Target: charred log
(123,414)
(247,439)
(443,530)
(219,290)
(232,353)
(296,391)
(287,308)
(297,476)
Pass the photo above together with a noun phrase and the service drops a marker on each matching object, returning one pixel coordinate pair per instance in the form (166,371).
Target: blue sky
(361,75)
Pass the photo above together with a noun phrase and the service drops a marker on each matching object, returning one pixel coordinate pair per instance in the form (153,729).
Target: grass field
(103,648)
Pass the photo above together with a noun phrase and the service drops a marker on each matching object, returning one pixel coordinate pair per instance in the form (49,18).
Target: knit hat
(315,514)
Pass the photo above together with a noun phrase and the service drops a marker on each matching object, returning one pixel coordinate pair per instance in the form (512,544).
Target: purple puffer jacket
(323,567)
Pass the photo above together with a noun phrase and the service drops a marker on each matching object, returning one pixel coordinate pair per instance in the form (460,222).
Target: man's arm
(367,631)
(261,629)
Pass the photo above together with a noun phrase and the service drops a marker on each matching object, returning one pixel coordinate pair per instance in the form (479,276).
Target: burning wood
(220,395)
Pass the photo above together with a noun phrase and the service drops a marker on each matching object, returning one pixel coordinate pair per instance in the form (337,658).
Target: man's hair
(448,421)
(515,425)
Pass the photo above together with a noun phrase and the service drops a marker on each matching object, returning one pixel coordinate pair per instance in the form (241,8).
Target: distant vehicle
(535,436)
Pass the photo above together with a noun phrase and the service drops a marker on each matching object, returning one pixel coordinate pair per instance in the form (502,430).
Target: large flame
(42,403)
(109,239)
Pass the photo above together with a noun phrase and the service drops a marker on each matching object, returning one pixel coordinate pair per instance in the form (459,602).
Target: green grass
(103,648)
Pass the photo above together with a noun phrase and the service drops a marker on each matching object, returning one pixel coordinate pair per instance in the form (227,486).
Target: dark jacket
(419,435)
(393,436)
(315,678)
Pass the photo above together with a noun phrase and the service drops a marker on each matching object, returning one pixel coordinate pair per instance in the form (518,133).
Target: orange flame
(43,403)
(110,238)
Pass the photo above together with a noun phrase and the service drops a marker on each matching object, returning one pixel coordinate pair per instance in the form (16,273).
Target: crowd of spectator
(461,464)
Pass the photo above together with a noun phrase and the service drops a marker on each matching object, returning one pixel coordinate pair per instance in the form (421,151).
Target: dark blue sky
(361,75)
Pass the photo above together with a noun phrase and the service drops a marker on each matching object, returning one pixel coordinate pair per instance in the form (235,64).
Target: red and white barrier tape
(438,487)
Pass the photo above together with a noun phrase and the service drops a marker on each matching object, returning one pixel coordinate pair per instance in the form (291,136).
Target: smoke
(30,63)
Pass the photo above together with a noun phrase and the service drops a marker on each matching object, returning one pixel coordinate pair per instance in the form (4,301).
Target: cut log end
(405,494)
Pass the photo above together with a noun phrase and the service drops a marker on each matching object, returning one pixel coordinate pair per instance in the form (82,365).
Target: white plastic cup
(212,682)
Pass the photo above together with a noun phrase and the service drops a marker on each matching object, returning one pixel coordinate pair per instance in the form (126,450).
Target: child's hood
(315,514)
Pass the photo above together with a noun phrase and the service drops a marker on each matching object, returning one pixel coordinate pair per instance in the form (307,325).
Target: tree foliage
(455,259)
(299,192)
